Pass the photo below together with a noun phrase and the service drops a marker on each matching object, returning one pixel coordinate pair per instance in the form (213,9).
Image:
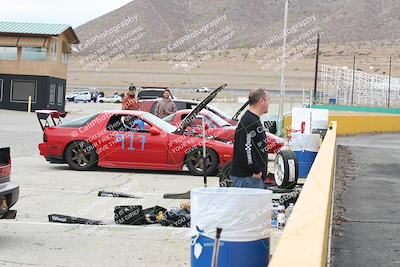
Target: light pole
(282,94)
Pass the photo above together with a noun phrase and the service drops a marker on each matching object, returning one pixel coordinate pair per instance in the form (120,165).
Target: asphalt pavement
(367,214)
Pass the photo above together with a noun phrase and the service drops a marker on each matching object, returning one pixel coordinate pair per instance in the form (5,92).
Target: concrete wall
(305,239)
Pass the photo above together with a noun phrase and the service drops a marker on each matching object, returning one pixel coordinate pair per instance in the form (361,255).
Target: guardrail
(359,124)
(305,239)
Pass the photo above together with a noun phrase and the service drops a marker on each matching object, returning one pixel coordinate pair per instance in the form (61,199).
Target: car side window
(127,123)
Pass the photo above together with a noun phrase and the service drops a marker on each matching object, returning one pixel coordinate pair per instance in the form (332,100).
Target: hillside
(252,21)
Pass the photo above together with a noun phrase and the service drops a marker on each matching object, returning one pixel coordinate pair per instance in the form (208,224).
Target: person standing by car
(165,106)
(250,150)
(129,101)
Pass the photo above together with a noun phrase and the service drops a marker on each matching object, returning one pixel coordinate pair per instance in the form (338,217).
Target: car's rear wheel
(224,179)
(194,162)
(81,156)
(101,101)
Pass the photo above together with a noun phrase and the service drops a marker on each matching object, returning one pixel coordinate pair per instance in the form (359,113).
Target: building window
(34,53)
(64,58)
(21,90)
(8,53)
(1,90)
(52,93)
(60,94)
(53,49)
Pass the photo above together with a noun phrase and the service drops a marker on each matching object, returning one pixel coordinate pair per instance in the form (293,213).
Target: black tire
(101,101)
(285,176)
(117,101)
(224,179)
(81,156)
(194,162)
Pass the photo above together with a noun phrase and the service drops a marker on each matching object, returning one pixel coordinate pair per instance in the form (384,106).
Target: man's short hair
(167,90)
(257,94)
(132,88)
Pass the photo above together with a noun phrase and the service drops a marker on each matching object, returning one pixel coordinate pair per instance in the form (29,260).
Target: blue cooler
(305,147)
(244,214)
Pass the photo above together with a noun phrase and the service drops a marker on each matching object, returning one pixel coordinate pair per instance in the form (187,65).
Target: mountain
(166,24)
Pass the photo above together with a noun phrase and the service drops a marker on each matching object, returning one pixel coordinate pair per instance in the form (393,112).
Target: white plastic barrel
(244,214)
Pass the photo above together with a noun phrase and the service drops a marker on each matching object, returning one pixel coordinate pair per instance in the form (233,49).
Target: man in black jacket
(250,151)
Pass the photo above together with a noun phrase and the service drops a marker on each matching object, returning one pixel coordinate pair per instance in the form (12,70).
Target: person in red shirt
(129,101)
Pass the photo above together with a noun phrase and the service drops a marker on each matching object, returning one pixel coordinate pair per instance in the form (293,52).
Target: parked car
(110,99)
(129,139)
(9,192)
(149,105)
(217,127)
(152,92)
(202,90)
(71,96)
(84,96)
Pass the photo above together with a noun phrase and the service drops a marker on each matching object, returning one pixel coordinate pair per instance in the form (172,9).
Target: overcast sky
(72,12)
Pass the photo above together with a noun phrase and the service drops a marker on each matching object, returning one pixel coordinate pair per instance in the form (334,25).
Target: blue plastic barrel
(231,254)
(305,147)
(305,160)
(244,214)
(332,101)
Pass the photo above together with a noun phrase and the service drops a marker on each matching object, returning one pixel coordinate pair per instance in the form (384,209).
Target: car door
(139,147)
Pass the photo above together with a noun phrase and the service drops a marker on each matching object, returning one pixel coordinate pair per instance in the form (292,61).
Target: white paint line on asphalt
(149,227)
(85,192)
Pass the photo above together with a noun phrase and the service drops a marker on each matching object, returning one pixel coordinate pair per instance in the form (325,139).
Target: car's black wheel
(117,101)
(286,169)
(224,179)
(194,162)
(81,156)
(101,101)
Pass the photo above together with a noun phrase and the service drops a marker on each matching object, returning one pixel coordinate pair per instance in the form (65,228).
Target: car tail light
(5,164)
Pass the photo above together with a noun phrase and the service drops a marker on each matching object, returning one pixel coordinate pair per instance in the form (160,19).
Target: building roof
(23,28)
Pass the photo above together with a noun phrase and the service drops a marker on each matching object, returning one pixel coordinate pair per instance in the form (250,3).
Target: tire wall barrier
(305,239)
(359,124)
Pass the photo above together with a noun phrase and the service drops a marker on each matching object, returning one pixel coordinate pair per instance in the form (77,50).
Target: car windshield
(213,108)
(156,121)
(169,118)
(217,119)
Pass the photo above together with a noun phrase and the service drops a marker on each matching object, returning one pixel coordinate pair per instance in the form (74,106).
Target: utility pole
(352,85)
(390,75)
(282,94)
(316,72)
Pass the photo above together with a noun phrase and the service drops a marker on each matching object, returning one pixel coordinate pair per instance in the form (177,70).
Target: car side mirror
(154,131)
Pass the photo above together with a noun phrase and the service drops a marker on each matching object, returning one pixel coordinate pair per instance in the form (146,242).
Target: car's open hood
(192,115)
(235,117)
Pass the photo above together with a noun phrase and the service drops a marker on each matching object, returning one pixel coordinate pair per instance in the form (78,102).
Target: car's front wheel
(194,162)
(81,156)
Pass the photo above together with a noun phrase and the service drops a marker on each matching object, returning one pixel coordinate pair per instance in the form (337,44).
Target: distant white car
(83,96)
(71,96)
(110,99)
(203,90)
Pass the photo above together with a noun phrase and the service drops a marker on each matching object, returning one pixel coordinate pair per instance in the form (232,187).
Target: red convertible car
(218,127)
(129,139)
